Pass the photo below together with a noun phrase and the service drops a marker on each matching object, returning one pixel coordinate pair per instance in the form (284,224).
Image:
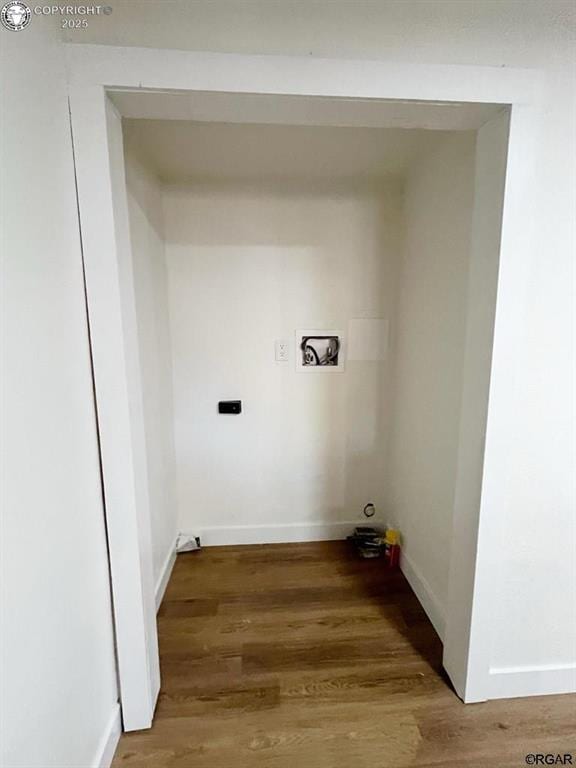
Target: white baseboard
(545,680)
(164,576)
(423,591)
(274,534)
(109,741)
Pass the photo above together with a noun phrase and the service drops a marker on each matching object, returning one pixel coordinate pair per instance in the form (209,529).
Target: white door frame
(99,162)
(93,70)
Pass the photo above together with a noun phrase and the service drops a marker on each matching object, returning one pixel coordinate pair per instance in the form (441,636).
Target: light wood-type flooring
(304,656)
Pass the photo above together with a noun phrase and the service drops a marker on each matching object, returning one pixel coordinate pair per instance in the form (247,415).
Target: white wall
(429,333)
(250,264)
(59,696)
(508,32)
(538,453)
(151,293)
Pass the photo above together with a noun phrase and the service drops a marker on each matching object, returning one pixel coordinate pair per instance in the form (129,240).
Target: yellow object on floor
(392,537)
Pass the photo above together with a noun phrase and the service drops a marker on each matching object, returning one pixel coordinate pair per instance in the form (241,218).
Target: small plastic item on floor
(187,543)
(369,542)
(392,547)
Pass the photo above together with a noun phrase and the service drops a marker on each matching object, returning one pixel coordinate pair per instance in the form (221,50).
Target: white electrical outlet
(281,348)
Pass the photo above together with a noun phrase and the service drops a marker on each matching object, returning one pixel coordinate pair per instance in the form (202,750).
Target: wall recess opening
(319,351)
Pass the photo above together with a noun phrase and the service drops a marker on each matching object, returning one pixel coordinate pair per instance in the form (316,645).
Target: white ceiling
(218,135)
(179,150)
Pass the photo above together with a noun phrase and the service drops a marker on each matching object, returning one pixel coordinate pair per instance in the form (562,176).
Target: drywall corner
(427,353)
(152,318)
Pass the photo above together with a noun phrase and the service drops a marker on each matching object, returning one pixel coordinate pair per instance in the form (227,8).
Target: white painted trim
(103,208)
(425,594)
(159,69)
(515,682)
(92,70)
(275,534)
(464,649)
(165,573)
(109,740)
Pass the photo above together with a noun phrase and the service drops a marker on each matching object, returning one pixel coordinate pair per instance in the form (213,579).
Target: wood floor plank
(302,655)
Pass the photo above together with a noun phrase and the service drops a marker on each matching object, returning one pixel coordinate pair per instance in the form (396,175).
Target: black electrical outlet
(230,406)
